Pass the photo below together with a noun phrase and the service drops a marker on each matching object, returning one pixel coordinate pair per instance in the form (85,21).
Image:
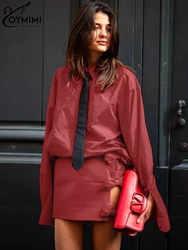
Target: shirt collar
(93,72)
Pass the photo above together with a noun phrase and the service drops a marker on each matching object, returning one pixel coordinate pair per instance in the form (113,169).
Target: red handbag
(132,203)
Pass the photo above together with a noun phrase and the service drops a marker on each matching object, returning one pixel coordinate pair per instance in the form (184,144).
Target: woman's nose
(103,33)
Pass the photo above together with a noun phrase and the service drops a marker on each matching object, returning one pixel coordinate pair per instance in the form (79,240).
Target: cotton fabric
(116,138)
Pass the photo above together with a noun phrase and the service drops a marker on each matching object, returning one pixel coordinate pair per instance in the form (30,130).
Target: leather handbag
(132,203)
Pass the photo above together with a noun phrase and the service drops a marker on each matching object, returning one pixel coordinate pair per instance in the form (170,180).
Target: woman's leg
(104,236)
(69,235)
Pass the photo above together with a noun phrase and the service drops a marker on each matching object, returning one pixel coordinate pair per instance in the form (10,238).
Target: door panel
(19,209)
(179,81)
(178,133)
(21,60)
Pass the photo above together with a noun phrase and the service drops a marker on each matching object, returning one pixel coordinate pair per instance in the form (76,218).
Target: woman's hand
(145,216)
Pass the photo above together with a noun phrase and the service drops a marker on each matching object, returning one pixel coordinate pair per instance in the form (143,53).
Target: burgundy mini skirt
(85,194)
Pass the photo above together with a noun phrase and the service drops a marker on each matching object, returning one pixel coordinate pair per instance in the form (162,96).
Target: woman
(76,190)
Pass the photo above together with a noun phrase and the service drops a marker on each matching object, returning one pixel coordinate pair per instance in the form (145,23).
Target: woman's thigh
(104,236)
(68,234)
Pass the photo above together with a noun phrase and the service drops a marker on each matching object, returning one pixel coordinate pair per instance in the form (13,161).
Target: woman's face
(100,37)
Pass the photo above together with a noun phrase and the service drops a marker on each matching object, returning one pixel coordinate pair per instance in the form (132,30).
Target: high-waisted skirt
(85,194)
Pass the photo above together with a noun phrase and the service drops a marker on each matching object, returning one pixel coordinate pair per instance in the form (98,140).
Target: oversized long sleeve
(115,112)
(46,190)
(135,135)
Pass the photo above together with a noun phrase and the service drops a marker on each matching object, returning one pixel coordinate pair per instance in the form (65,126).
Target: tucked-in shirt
(115,128)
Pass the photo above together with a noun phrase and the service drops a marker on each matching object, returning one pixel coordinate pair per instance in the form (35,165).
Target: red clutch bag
(132,203)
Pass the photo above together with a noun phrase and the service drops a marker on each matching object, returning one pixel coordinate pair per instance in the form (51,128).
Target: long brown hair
(79,40)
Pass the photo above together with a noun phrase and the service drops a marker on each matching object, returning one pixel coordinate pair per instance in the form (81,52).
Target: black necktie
(78,152)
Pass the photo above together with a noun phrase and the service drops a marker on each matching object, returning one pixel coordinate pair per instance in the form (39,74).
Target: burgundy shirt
(115,128)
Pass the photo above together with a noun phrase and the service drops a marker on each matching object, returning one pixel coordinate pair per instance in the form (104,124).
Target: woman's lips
(102,42)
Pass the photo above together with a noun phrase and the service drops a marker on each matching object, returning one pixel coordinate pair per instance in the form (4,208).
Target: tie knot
(87,75)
